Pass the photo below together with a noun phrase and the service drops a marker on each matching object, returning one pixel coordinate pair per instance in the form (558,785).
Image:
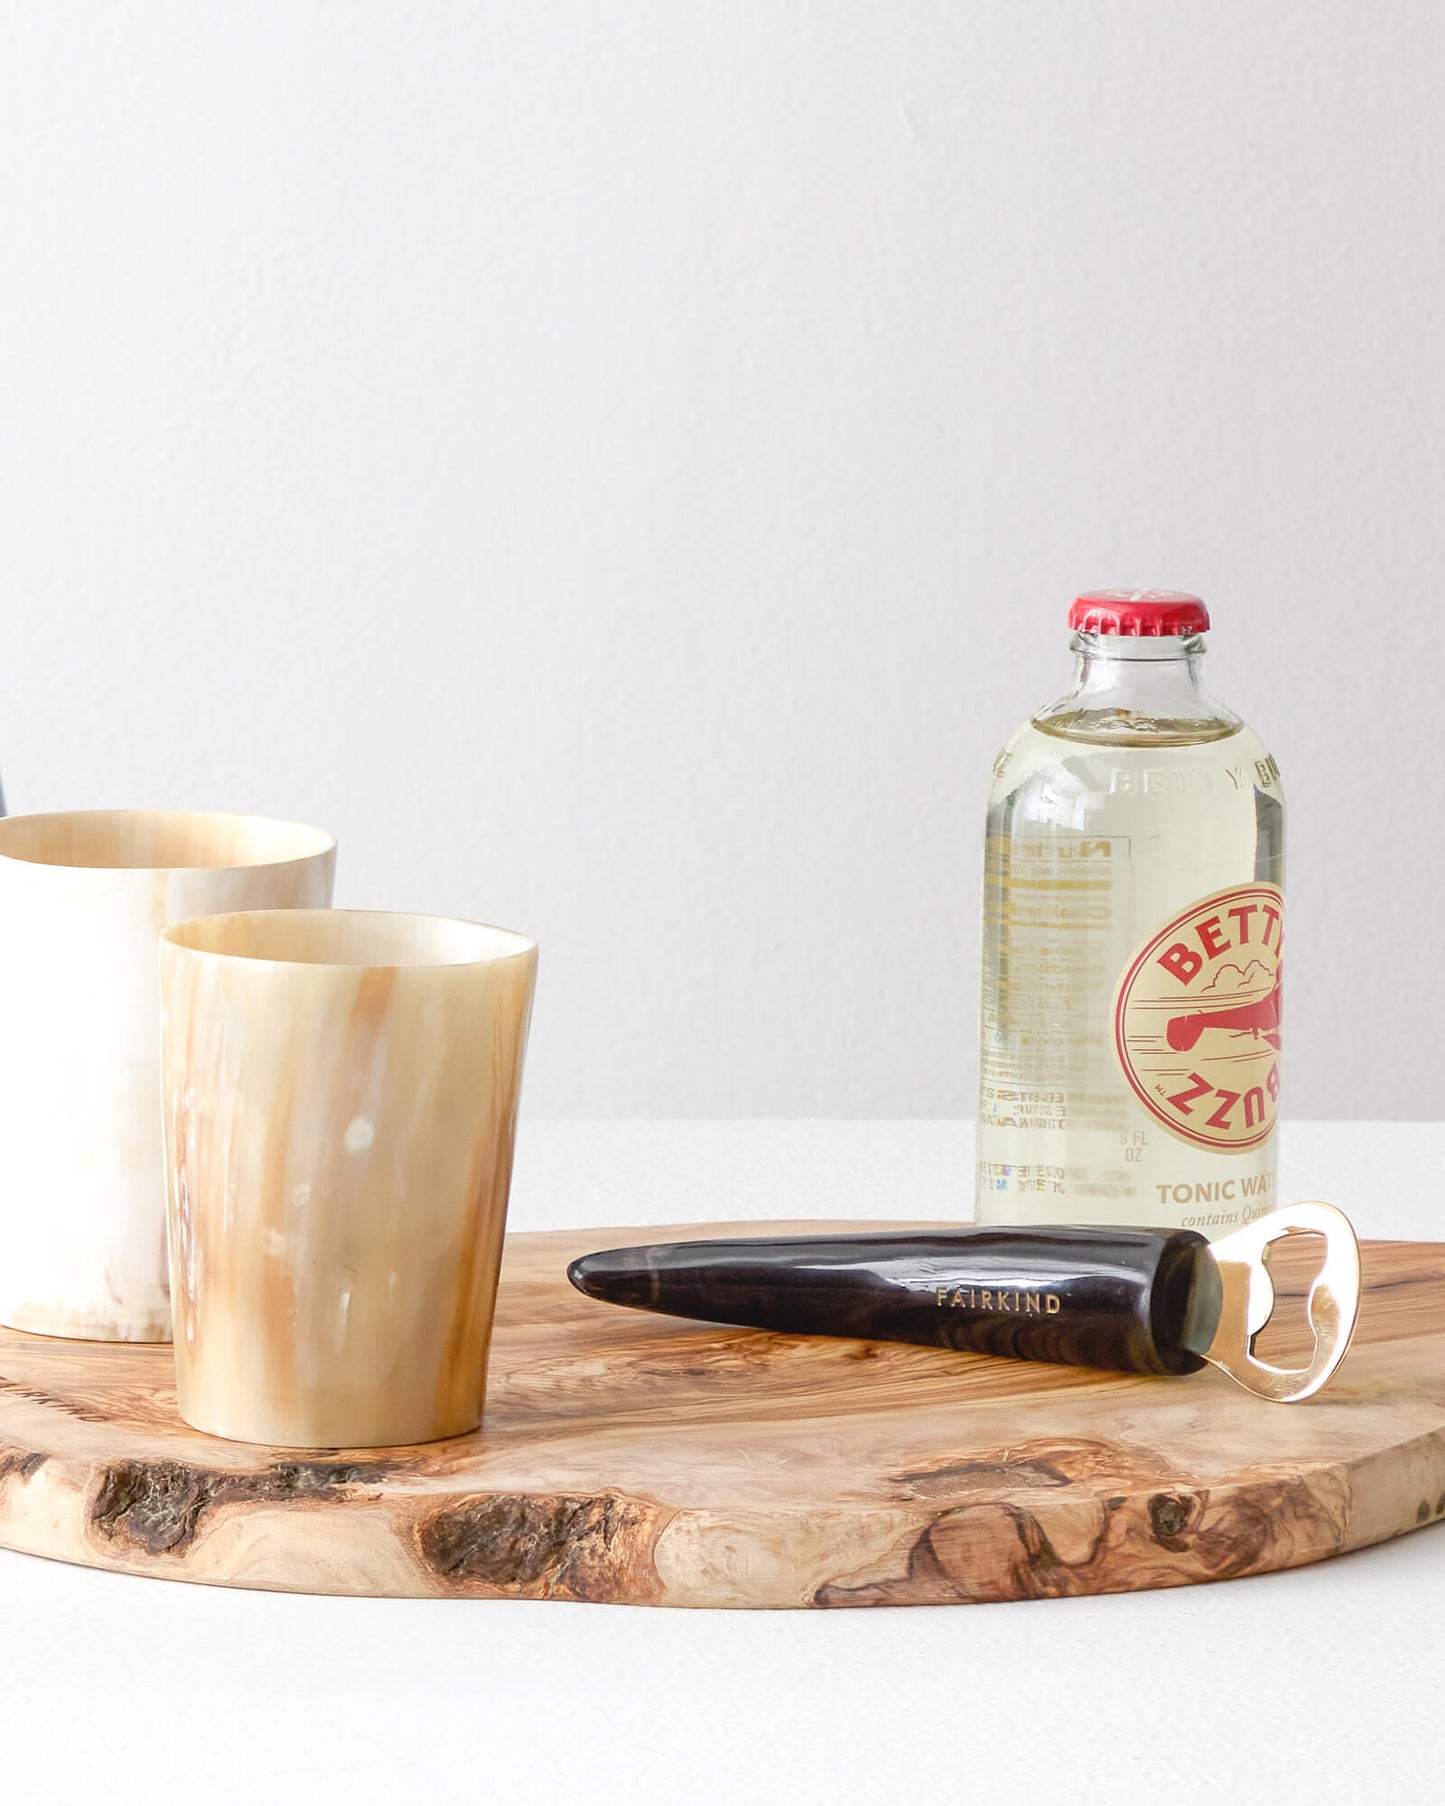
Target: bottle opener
(1134,1300)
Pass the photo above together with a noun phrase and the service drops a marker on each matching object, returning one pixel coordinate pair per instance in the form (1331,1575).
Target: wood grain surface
(635,1459)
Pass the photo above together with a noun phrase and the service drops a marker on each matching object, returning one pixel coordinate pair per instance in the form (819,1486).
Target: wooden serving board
(642,1460)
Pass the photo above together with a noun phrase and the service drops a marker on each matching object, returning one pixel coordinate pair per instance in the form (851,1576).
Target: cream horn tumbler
(83,899)
(340,1107)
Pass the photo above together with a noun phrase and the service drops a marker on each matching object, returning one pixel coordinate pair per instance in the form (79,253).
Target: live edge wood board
(640,1460)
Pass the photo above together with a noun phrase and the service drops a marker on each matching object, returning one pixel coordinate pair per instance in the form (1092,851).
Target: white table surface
(1321,1684)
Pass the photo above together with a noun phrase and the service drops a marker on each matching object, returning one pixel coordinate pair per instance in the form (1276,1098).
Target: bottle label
(1197,1020)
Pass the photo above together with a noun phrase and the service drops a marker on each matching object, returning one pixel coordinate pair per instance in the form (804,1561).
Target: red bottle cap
(1154,613)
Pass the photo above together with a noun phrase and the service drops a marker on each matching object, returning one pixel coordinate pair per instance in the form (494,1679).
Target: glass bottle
(1129,1046)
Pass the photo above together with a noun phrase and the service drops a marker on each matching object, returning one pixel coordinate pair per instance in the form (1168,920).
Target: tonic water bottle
(1129,1048)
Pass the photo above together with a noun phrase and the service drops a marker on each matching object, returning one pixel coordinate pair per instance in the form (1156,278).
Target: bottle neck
(1137,690)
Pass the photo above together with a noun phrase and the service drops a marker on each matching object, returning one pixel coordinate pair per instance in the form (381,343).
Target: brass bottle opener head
(1249,1299)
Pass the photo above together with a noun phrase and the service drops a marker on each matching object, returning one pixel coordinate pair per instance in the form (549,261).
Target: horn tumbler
(340,1103)
(84,896)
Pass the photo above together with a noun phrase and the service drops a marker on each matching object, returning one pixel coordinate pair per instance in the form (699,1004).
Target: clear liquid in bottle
(1133,915)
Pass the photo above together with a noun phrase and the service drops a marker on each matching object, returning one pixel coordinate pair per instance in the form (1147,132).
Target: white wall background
(625,467)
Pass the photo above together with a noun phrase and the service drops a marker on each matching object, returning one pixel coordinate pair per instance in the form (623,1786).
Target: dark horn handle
(1136,1300)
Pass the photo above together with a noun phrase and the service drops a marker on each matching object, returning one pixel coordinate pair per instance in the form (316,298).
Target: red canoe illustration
(1259,1018)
